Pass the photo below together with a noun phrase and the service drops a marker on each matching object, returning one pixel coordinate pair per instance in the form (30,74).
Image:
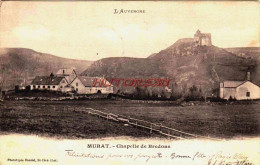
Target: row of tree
(175,92)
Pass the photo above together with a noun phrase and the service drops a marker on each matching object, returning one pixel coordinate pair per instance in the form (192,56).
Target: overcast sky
(91,30)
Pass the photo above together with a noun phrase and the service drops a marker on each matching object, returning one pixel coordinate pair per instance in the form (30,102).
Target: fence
(138,123)
(145,125)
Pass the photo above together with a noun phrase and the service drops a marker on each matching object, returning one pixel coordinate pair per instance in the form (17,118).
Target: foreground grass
(53,118)
(44,119)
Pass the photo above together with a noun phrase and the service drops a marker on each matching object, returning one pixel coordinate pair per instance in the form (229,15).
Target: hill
(184,63)
(125,67)
(20,65)
(249,52)
(204,65)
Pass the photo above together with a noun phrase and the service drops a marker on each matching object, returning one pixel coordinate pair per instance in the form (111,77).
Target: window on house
(34,86)
(49,86)
(61,86)
(53,86)
(43,86)
(39,86)
(77,89)
(247,94)
(77,84)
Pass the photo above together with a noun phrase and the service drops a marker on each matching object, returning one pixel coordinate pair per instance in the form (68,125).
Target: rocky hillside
(19,64)
(184,63)
(206,65)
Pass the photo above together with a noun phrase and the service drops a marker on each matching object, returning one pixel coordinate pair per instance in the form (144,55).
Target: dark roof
(46,80)
(65,71)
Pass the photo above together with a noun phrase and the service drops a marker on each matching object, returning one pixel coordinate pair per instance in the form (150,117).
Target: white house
(53,83)
(239,90)
(90,85)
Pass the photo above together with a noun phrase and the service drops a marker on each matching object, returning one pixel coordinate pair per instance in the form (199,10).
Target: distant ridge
(253,52)
(21,65)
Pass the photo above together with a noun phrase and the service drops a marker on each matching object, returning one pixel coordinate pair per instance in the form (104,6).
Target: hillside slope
(19,64)
(125,67)
(184,63)
(206,65)
(249,52)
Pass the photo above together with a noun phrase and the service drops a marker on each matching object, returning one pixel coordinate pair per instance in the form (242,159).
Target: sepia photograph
(130,82)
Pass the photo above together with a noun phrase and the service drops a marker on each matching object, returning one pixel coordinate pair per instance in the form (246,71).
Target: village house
(51,82)
(90,85)
(239,90)
(67,80)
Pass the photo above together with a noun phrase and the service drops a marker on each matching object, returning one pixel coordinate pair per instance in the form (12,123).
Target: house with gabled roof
(91,85)
(239,90)
(51,82)
(69,73)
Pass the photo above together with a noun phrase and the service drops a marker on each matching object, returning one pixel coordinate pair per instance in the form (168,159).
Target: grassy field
(53,119)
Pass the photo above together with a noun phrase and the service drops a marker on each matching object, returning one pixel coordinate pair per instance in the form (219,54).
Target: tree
(194,92)
(3,75)
(175,92)
(139,92)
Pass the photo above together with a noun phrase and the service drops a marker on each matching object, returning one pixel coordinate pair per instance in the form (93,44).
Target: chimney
(248,76)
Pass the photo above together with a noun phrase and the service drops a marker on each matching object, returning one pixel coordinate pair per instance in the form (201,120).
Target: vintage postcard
(123,83)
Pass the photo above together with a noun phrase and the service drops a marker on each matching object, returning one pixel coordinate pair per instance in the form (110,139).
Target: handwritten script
(218,158)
